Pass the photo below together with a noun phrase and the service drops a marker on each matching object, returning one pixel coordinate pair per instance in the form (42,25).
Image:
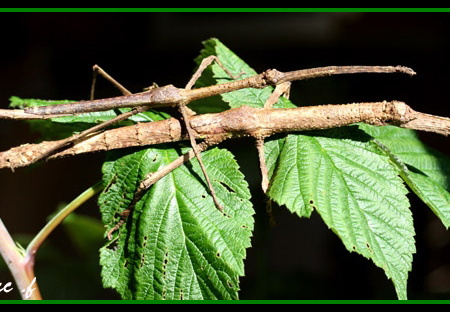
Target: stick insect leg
(68,141)
(98,70)
(197,153)
(151,178)
(280,90)
(154,177)
(205,63)
(187,113)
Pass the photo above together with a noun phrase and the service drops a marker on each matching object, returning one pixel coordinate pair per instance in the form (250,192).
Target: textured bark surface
(238,122)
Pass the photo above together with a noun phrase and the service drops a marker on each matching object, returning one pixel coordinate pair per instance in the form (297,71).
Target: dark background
(50,55)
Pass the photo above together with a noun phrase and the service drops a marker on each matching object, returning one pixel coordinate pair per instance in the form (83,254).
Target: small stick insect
(169,95)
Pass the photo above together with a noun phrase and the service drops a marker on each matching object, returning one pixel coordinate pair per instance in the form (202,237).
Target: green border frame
(326,302)
(124,10)
(244,10)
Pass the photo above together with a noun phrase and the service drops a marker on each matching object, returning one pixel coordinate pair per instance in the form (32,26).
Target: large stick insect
(170,95)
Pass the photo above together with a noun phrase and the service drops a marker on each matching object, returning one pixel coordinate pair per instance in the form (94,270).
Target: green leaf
(176,244)
(425,170)
(356,191)
(17,102)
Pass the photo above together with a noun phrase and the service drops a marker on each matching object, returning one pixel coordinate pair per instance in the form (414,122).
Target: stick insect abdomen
(162,96)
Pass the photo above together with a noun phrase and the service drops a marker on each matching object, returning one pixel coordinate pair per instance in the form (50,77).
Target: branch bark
(238,122)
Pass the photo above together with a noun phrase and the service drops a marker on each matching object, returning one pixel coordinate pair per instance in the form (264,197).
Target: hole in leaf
(228,188)
(165,261)
(110,184)
(113,246)
(311,201)
(145,241)
(203,196)
(218,255)
(125,264)
(229,284)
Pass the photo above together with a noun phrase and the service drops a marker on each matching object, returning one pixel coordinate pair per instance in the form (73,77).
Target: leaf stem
(60,216)
(22,267)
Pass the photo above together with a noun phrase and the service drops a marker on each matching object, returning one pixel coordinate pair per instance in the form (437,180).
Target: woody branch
(238,122)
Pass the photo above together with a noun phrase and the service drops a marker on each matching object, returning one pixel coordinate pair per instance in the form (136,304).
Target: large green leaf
(176,244)
(356,191)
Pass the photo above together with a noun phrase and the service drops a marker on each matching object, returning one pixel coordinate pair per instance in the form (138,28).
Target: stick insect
(170,95)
